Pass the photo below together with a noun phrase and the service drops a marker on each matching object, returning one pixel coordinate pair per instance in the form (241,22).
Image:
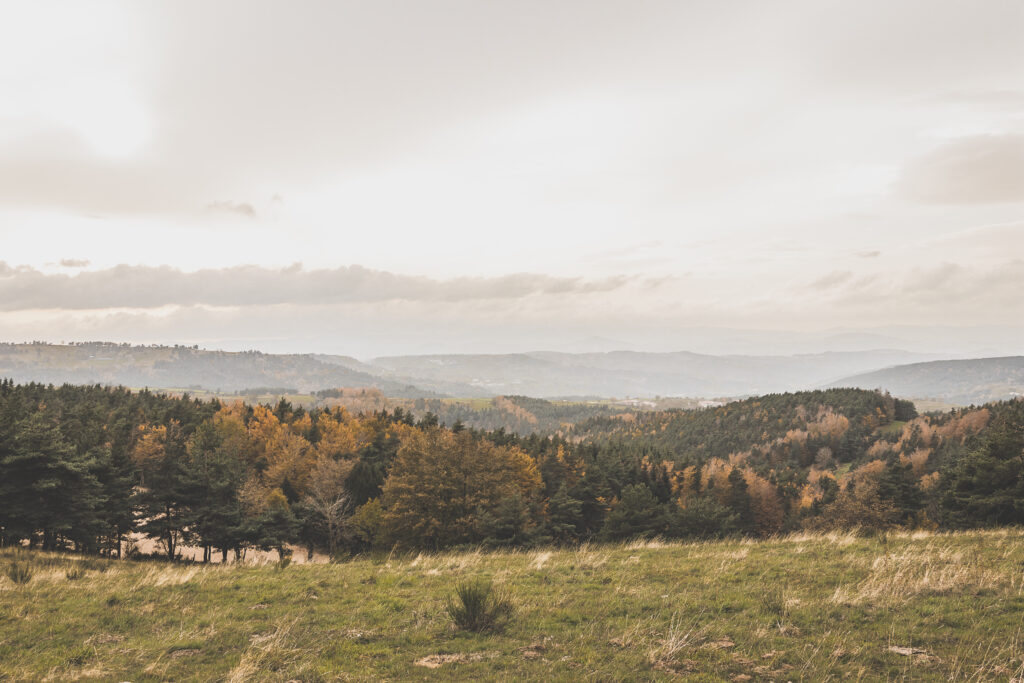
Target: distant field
(908,606)
(934,405)
(304,400)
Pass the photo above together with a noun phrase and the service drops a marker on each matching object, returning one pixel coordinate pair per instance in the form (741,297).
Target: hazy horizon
(457,177)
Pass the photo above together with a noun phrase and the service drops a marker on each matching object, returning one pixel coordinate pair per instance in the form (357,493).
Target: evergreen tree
(738,500)
(898,486)
(638,513)
(565,516)
(45,486)
(986,488)
(704,517)
(162,511)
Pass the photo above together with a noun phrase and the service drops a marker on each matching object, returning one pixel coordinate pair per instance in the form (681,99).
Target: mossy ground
(912,606)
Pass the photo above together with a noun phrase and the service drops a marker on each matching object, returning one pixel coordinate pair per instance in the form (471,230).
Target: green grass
(893,428)
(809,607)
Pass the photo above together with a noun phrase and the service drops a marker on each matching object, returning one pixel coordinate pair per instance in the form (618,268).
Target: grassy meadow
(905,606)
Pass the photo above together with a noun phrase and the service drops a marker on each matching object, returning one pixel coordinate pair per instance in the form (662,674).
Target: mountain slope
(630,373)
(959,381)
(183,367)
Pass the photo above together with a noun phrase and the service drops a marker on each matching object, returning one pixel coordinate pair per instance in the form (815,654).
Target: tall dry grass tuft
(479,606)
(19,573)
(680,638)
(896,578)
(267,654)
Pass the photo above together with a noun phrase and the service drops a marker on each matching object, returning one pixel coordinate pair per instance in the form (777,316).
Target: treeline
(87,467)
(518,414)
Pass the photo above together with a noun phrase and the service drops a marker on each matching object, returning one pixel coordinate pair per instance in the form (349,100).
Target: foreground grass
(907,606)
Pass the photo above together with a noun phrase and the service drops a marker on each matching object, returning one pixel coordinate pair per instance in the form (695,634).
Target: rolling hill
(630,373)
(541,374)
(957,381)
(180,367)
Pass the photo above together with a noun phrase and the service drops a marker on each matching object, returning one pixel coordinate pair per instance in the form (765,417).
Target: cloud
(869,254)
(833,279)
(964,293)
(243,208)
(142,287)
(74,262)
(997,99)
(979,169)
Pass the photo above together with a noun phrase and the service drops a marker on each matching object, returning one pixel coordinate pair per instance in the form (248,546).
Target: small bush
(477,606)
(284,561)
(19,572)
(74,573)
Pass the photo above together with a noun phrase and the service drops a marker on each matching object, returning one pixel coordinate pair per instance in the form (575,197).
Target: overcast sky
(387,177)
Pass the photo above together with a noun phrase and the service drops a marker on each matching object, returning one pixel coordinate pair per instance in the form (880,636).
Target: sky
(374,178)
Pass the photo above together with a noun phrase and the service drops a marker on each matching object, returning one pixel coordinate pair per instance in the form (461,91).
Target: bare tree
(328,496)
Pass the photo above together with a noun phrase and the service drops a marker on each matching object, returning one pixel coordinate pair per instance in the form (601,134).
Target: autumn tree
(442,483)
(162,500)
(328,499)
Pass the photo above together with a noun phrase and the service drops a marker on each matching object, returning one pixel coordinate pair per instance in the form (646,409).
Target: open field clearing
(909,606)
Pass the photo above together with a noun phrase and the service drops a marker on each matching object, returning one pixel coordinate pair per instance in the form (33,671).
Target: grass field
(912,606)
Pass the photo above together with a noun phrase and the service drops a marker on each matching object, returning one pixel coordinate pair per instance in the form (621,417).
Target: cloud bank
(972,170)
(144,287)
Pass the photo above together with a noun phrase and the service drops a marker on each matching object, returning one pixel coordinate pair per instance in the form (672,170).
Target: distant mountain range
(631,373)
(956,381)
(540,374)
(181,367)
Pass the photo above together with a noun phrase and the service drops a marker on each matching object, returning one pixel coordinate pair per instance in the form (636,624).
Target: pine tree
(46,486)
(637,513)
(898,485)
(738,500)
(565,516)
(986,488)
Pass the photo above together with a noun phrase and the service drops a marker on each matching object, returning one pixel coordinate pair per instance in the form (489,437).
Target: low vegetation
(479,606)
(19,572)
(901,606)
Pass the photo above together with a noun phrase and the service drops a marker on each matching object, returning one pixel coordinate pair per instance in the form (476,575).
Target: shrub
(19,572)
(74,573)
(478,606)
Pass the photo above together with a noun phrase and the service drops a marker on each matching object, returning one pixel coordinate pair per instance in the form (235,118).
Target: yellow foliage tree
(442,483)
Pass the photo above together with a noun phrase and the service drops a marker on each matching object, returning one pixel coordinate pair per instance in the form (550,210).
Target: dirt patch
(723,644)
(919,656)
(359,635)
(537,648)
(439,660)
(679,666)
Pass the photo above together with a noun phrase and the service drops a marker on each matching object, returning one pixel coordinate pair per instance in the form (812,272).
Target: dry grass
(813,607)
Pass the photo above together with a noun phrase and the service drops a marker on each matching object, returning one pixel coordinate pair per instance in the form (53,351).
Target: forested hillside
(516,414)
(86,467)
(632,373)
(184,367)
(539,374)
(960,381)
